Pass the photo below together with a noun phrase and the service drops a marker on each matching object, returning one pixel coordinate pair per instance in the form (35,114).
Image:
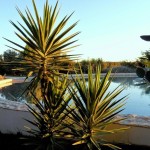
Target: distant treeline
(10,56)
(105,65)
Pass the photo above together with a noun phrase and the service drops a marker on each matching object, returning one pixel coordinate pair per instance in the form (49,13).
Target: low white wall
(138,135)
(12,115)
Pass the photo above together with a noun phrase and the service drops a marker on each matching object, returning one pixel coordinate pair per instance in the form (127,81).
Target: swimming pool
(138,101)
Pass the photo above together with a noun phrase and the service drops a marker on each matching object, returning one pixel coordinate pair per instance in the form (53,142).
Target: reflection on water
(14,92)
(138,101)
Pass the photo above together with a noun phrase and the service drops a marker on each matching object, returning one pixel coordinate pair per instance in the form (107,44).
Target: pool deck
(20,79)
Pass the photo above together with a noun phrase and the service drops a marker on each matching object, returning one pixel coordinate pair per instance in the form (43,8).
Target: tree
(145,58)
(47,43)
(76,113)
(1,58)
(144,65)
(128,64)
(10,55)
(84,64)
(6,65)
(94,109)
(46,49)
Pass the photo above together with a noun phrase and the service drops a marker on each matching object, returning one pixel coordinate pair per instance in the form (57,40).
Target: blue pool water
(138,101)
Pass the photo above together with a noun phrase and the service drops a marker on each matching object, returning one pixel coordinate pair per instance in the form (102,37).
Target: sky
(110,29)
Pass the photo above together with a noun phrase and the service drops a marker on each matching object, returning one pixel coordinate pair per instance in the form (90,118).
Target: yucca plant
(47,44)
(95,109)
(50,115)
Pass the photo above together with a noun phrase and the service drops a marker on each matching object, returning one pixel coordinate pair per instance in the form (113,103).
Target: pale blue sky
(110,29)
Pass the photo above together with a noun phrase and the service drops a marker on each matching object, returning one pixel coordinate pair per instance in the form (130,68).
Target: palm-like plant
(47,43)
(92,110)
(95,109)
(49,116)
(143,70)
(146,58)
